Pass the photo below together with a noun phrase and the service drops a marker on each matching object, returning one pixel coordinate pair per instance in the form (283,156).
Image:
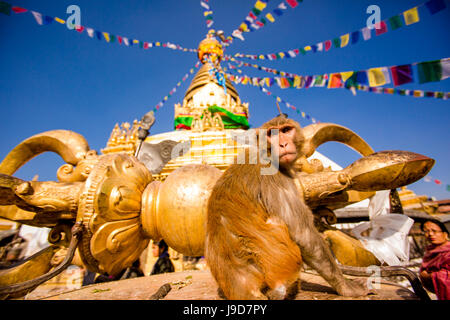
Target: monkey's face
(283,143)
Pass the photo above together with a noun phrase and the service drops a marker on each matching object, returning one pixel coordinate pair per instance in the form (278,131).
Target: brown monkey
(259,229)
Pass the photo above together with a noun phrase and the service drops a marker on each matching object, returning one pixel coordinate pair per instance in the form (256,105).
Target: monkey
(259,230)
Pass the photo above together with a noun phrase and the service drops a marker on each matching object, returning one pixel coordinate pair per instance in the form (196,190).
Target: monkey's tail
(390,271)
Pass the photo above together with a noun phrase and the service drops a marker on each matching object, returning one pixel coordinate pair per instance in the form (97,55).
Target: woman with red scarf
(435,269)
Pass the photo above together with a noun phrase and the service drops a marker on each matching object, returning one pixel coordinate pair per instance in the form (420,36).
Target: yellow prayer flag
(270,17)
(346,75)
(260,5)
(303,114)
(261,57)
(206,13)
(282,73)
(281,54)
(344,40)
(243,27)
(60,20)
(278,99)
(158,44)
(376,77)
(411,16)
(390,90)
(297,81)
(307,48)
(106,35)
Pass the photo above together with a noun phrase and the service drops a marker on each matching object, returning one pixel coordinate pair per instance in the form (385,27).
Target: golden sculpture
(119,205)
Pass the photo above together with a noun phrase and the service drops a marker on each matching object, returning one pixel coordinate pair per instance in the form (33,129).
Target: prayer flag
(282,6)
(59,20)
(402,74)
(320,80)
(395,22)
(344,40)
(260,5)
(37,16)
(327,45)
(335,81)
(445,65)
(429,71)
(380,28)
(90,32)
(98,34)
(204,5)
(435,6)
(378,76)
(355,37)
(308,81)
(256,11)
(19,9)
(427,179)
(337,42)
(448,187)
(292,3)
(5,8)
(346,75)
(270,17)
(106,35)
(278,12)
(411,16)
(79,29)
(47,20)
(366,33)
(437,181)
(320,46)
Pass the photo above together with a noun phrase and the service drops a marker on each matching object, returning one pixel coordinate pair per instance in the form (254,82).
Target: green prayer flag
(429,71)
(448,187)
(229,119)
(256,11)
(112,38)
(337,42)
(395,22)
(5,8)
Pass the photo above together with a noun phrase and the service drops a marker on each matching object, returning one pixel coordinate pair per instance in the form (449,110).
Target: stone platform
(200,285)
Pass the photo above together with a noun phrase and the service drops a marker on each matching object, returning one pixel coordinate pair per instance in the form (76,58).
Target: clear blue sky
(53,78)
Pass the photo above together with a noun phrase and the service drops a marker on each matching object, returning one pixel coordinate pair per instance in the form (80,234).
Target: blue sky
(54,78)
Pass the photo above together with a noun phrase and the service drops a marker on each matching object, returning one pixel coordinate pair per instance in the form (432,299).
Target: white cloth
(386,234)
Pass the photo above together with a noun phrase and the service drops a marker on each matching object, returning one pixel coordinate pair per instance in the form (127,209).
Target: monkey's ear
(319,133)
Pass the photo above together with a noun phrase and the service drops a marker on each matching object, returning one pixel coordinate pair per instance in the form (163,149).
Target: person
(163,264)
(435,268)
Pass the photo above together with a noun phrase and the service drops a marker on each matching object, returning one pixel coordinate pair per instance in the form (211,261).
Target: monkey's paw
(354,288)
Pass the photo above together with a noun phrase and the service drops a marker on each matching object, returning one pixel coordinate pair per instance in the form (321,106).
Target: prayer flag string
(251,22)
(406,18)
(174,89)
(42,19)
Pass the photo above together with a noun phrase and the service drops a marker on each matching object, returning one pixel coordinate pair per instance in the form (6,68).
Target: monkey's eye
(286,129)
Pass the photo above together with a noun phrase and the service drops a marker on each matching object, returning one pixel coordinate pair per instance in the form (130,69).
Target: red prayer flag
(380,28)
(437,181)
(120,39)
(327,45)
(146,45)
(292,3)
(19,9)
(79,29)
(402,74)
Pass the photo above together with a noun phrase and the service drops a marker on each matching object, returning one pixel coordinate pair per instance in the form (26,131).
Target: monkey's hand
(353,288)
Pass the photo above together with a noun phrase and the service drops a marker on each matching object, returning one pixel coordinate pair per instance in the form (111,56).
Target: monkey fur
(259,230)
